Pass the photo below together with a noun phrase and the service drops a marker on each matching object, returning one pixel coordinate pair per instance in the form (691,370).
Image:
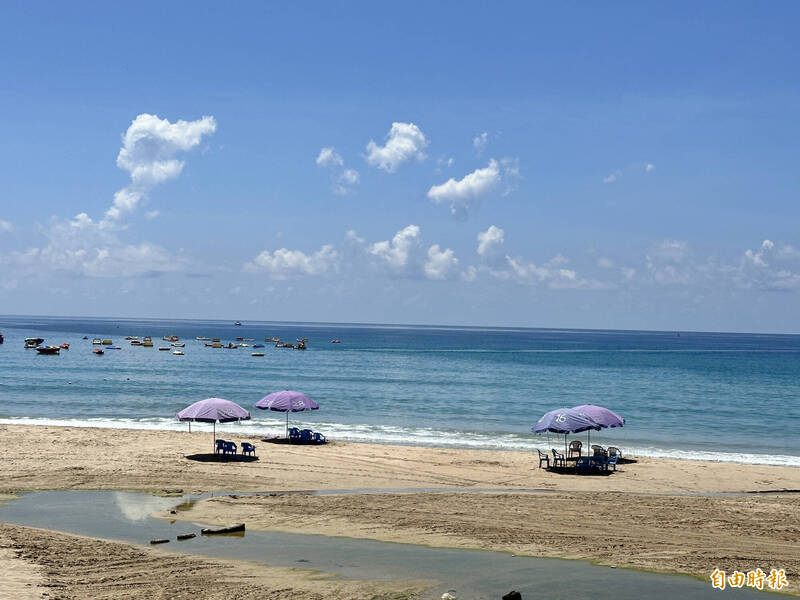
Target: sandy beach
(667,515)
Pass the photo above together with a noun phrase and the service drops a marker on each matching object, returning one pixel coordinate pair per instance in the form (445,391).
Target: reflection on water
(474,574)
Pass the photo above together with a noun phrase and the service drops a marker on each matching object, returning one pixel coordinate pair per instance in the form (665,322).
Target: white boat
(257,354)
(178,352)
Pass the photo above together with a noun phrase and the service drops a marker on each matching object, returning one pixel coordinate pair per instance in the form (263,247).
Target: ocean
(711,396)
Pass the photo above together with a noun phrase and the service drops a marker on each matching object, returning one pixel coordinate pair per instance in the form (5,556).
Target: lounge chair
(558,459)
(575,447)
(248,449)
(613,451)
(320,439)
(543,458)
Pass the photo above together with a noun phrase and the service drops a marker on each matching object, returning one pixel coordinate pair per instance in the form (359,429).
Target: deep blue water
(705,395)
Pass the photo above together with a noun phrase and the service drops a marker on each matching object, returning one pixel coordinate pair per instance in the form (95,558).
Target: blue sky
(626,165)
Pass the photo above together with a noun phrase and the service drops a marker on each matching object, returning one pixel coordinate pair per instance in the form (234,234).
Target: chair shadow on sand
(595,472)
(211,457)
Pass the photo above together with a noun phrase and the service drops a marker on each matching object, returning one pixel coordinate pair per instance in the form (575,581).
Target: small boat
(162,348)
(136,343)
(33,342)
(48,349)
(231,346)
(86,337)
(214,339)
(159,541)
(170,338)
(64,346)
(147,338)
(1,338)
(216,345)
(97,341)
(177,345)
(107,342)
(98,351)
(178,352)
(257,354)
(272,339)
(238,323)
(147,343)
(247,339)
(239,339)
(203,339)
(336,341)
(113,348)
(130,337)
(243,345)
(186,536)
(258,345)
(222,530)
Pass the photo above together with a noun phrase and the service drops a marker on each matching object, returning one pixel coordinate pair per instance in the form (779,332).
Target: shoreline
(659,515)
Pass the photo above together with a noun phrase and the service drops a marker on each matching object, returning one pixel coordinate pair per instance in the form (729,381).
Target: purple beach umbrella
(287,401)
(600,414)
(564,420)
(212,410)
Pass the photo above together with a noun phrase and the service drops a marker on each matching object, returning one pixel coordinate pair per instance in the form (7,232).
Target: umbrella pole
(287,423)
(214,445)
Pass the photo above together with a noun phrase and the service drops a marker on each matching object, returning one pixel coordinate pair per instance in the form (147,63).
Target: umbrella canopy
(212,410)
(287,401)
(601,415)
(564,420)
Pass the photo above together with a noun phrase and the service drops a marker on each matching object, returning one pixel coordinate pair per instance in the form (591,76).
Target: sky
(623,165)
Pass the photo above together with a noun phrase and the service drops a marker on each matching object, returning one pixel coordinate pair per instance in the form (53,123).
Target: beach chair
(613,451)
(598,450)
(611,462)
(248,449)
(294,435)
(320,439)
(230,448)
(558,459)
(220,446)
(575,447)
(306,436)
(543,458)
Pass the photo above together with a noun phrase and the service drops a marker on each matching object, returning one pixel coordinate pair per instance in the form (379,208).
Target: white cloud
(490,241)
(479,141)
(612,177)
(462,194)
(152,214)
(649,168)
(284,263)
(328,157)
(6,225)
(398,253)
(148,153)
(445,161)
(441,264)
(404,142)
(605,263)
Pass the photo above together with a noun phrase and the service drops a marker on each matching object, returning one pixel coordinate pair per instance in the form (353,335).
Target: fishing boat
(186,536)
(203,339)
(238,323)
(64,346)
(214,339)
(113,348)
(222,530)
(107,342)
(97,341)
(178,352)
(177,345)
(336,341)
(162,348)
(258,345)
(147,343)
(136,343)
(257,354)
(1,338)
(272,339)
(48,349)
(98,351)
(216,345)
(33,342)
(170,338)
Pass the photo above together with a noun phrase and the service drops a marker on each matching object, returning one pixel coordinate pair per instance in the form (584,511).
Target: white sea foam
(420,436)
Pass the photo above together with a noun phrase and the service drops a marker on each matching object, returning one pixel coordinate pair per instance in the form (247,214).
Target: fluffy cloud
(285,263)
(399,252)
(612,177)
(148,154)
(343,180)
(6,225)
(649,168)
(462,194)
(328,157)
(490,242)
(404,142)
(441,264)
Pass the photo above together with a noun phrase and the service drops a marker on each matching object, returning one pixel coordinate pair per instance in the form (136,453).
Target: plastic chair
(306,436)
(320,439)
(558,459)
(294,434)
(230,448)
(598,450)
(543,458)
(574,446)
(220,446)
(613,451)
(248,448)
(611,462)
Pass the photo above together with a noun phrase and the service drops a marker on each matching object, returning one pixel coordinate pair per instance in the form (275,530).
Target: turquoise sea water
(730,397)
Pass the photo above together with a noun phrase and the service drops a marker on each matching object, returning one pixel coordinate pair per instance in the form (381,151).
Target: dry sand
(655,514)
